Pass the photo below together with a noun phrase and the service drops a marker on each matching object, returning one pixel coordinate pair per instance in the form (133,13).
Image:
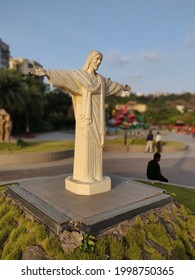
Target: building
(139,94)
(22,64)
(125,93)
(4,54)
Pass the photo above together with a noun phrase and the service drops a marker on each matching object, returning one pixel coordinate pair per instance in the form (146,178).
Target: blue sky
(148,44)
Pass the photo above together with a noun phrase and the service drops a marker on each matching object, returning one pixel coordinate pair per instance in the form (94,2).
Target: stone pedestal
(47,200)
(91,188)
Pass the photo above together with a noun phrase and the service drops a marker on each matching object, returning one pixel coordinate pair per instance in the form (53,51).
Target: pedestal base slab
(83,188)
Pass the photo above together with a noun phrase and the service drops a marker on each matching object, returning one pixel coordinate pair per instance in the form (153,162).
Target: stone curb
(17,158)
(34,157)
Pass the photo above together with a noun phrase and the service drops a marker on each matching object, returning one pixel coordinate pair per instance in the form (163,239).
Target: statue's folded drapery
(88,95)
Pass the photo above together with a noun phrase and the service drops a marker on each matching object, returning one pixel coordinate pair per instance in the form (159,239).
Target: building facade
(4,54)
(22,64)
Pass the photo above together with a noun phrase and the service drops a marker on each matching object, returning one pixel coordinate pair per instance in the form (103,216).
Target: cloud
(150,56)
(117,58)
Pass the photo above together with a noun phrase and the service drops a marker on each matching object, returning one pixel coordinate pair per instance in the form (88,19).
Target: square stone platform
(47,199)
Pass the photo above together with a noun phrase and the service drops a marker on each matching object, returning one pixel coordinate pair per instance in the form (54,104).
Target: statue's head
(91,55)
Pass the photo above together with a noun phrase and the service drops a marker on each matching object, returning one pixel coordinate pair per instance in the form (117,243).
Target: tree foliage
(34,107)
(12,91)
(162,110)
(58,110)
(35,101)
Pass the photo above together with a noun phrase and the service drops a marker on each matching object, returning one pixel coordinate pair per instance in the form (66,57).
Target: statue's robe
(88,95)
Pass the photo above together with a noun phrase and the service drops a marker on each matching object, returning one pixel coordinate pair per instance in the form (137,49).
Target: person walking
(149,142)
(158,140)
(153,169)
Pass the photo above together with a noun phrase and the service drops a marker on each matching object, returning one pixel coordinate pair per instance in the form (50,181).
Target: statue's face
(96,62)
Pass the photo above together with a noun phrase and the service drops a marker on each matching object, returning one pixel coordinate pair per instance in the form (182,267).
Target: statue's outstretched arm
(37,71)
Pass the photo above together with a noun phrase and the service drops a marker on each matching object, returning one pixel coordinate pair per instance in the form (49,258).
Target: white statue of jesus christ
(88,90)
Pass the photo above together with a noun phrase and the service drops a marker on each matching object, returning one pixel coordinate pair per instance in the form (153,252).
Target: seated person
(153,169)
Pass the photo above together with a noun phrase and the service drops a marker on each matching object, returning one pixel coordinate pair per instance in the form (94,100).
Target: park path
(178,167)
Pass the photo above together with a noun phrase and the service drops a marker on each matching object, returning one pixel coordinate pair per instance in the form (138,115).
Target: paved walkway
(178,167)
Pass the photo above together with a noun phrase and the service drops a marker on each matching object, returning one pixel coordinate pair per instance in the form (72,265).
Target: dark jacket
(150,137)
(154,172)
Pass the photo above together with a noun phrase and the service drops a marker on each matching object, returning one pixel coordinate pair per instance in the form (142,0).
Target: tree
(23,97)
(12,91)
(35,101)
(188,118)
(58,110)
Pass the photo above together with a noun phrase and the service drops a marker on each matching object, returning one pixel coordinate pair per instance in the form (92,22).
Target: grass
(22,146)
(164,233)
(140,141)
(186,196)
(130,141)
(17,232)
(173,143)
(28,147)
